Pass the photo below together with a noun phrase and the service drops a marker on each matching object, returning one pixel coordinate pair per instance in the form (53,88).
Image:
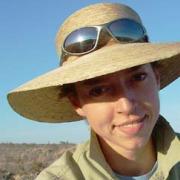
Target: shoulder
(66,167)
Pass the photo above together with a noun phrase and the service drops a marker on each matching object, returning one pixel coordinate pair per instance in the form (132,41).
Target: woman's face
(123,107)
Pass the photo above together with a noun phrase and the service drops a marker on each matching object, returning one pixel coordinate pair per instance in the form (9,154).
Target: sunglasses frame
(99,29)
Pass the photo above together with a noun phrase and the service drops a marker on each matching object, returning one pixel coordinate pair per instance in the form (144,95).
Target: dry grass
(25,161)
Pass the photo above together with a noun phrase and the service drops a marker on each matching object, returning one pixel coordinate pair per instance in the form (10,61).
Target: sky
(27,49)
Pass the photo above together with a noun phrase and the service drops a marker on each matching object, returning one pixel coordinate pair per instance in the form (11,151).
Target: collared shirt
(88,161)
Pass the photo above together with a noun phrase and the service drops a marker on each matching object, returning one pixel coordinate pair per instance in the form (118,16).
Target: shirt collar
(167,146)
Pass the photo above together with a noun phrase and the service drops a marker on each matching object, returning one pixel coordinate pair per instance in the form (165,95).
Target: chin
(135,144)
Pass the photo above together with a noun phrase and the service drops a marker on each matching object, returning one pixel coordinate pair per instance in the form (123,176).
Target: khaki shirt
(88,162)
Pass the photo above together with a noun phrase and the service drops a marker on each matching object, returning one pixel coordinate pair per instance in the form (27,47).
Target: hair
(155,65)
(67,89)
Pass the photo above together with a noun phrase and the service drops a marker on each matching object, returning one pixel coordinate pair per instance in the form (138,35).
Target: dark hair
(67,89)
(155,64)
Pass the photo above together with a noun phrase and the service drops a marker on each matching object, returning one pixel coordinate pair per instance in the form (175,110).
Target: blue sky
(27,36)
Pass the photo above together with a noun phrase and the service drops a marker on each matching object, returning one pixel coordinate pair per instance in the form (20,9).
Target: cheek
(155,104)
(151,99)
(99,115)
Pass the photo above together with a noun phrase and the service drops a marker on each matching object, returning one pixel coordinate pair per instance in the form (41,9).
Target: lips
(132,127)
(132,122)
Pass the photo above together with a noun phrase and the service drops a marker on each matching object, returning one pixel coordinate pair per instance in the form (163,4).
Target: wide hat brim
(39,99)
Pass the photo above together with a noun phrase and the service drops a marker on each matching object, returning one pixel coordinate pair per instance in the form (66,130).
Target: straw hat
(39,99)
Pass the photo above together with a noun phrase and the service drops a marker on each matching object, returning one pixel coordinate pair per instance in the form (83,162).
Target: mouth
(132,127)
(129,124)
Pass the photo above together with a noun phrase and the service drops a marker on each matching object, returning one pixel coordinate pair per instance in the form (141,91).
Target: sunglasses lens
(126,30)
(81,40)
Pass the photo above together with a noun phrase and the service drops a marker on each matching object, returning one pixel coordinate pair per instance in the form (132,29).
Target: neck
(129,162)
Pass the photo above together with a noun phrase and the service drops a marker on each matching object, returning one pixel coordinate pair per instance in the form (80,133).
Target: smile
(133,127)
(133,123)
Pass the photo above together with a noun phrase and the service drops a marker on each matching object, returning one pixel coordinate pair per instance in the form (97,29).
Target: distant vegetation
(26,161)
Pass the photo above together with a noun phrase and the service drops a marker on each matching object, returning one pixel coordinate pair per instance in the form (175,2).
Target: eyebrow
(99,80)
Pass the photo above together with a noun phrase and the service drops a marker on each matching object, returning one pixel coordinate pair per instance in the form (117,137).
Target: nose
(126,104)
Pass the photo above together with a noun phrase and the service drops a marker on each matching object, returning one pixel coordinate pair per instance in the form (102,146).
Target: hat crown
(93,15)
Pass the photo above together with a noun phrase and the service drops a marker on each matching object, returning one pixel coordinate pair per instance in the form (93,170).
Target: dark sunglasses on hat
(86,39)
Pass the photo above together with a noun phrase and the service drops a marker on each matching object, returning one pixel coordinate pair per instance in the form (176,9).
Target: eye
(100,91)
(140,76)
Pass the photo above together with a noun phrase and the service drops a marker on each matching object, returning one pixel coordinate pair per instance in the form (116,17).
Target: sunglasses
(87,39)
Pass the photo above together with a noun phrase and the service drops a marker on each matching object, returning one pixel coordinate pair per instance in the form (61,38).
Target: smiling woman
(113,82)
(127,103)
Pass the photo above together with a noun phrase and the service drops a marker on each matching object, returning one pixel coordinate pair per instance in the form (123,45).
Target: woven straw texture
(93,15)
(39,99)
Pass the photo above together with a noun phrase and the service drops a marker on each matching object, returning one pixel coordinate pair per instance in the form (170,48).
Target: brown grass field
(26,161)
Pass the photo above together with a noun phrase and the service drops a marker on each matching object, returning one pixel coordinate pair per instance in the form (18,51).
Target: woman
(110,74)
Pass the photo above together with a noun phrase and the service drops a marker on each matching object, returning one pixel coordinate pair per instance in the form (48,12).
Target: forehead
(109,76)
